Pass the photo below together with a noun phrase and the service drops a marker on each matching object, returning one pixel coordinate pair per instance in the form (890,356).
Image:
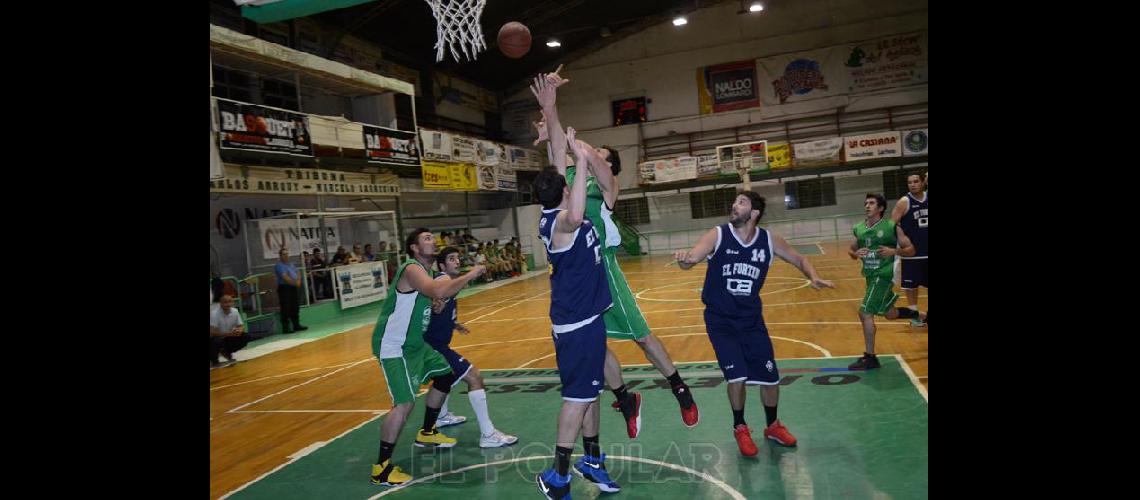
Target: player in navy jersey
(910,213)
(579,294)
(739,255)
(438,336)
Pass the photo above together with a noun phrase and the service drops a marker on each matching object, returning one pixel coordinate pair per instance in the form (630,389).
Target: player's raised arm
(785,251)
(545,91)
(419,280)
(576,205)
(686,259)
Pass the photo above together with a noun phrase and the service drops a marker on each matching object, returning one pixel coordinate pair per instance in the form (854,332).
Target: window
(809,193)
(279,94)
(232,84)
(894,181)
(712,203)
(632,210)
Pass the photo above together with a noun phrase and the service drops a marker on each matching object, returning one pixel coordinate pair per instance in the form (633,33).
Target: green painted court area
(861,435)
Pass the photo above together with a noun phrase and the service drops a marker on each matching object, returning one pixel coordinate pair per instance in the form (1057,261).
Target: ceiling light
(680,21)
(553,43)
(755,7)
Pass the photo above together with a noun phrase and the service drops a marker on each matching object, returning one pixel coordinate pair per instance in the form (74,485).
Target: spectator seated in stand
(341,257)
(368,255)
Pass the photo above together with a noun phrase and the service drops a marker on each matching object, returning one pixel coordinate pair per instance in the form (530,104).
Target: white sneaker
(497,439)
(449,419)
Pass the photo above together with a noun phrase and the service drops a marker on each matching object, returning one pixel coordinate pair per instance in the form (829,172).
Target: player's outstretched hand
(555,79)
(684,259)
(478,269)
(821,283)
(543,91)
(885,251)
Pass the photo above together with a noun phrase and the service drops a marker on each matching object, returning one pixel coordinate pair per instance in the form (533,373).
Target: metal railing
(807,230)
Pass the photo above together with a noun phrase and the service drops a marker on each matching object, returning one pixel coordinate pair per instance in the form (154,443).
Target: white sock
(479,404)
(913,307)
(443,409)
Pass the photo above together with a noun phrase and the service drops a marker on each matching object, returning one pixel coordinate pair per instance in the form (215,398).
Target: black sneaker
(286,330)
(301,328)
(867,362)
(552,486)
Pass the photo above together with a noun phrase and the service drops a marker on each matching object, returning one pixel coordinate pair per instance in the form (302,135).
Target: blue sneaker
(593,469)
(552,486)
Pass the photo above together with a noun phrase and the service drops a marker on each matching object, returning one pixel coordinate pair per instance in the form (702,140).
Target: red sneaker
(744,440)
(778,433)
(690,416)
(631,410)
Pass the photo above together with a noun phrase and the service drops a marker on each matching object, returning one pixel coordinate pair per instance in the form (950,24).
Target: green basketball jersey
(403,318)
(597,211)
(882,233)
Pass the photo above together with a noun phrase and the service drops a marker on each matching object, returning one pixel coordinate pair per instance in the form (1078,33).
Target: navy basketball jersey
(578,287)
(736,272)
(914,224)
(442,325)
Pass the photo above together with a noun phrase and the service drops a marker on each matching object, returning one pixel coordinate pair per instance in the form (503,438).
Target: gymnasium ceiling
(406,31)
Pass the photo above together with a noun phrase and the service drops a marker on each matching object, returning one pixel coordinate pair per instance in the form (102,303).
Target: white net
(457,23)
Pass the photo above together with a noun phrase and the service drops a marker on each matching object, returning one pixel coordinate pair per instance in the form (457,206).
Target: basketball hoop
(457,23)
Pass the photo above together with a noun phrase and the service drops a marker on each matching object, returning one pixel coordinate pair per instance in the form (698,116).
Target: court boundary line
(914,380)
(303,452)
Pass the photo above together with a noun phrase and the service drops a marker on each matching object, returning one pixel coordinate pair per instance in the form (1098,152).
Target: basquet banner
(389,146)
(871,146)
(275,234)
(360,284)
(727,87)
(261,128)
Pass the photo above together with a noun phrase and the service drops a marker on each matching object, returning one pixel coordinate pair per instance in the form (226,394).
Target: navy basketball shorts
(581,357)
(743,349)
(459,365)
(914,274)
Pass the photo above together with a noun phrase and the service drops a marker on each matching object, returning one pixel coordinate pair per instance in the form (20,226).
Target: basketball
(514,39)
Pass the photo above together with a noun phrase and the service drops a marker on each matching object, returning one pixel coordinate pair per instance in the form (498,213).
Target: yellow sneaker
(386,474)
(434,439)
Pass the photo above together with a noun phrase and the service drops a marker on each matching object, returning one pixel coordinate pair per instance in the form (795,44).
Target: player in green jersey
(877,241)
(406,360)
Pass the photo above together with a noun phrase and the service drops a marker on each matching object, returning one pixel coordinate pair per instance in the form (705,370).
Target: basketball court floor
(304,422)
